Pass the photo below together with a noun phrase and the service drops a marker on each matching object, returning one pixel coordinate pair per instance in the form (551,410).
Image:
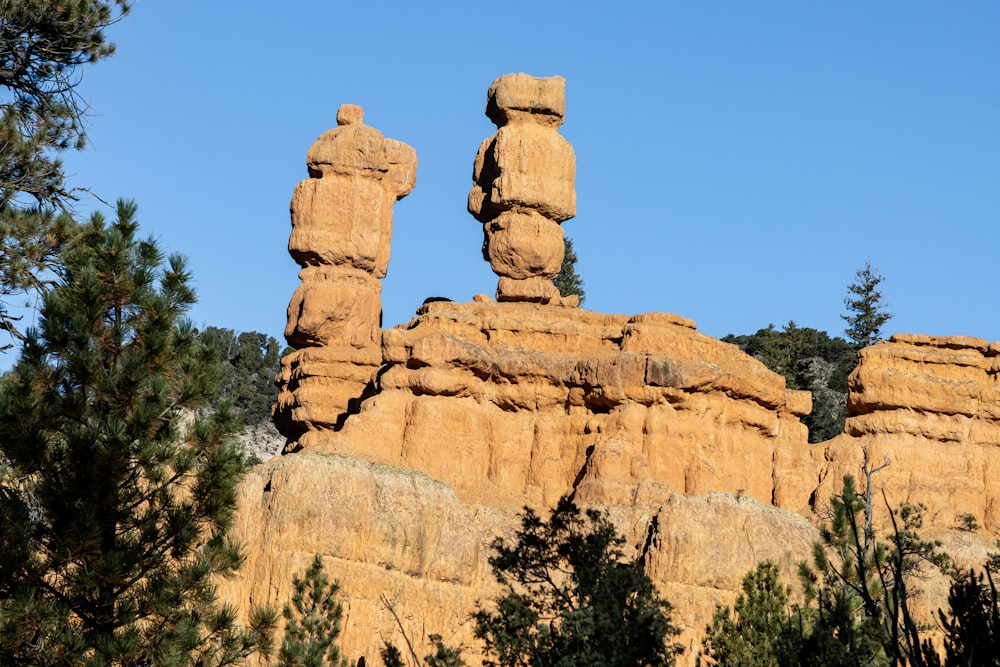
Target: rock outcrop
(930,407)
(341,233)
(411,449)
(509,403)
(523,187)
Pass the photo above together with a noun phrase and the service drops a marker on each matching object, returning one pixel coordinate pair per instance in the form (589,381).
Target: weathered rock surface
(523,186)
(695,449)
(930,406)
(411,449)
(514,403)
(341,232)
(399,541)
(480,408)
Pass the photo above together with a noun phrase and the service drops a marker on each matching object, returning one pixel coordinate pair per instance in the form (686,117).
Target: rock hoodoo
(341,232)
(523,187)
(412,448)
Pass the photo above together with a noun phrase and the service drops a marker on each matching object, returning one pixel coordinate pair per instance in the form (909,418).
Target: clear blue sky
(736,161)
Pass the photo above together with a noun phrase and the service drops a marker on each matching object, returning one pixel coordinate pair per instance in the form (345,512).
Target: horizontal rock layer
(696,450)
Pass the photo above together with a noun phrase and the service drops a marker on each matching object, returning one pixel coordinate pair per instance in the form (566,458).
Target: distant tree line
(811,360)
(249,364)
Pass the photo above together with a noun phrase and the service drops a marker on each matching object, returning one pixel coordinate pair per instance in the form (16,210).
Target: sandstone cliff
(930,406)
(410,449)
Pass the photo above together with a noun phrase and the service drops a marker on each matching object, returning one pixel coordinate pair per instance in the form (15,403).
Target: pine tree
(43,46)
(857,598)
(115,514)
(250,362)
(972,624)
(571,598)
(312,621)
(866,312)
(759,630)
(569,282)
(862,594)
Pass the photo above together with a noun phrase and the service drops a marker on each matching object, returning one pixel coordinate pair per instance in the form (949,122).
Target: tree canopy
(811,360)
(43,45)
(569,282)
(114,512)
(570,597)
(250,361)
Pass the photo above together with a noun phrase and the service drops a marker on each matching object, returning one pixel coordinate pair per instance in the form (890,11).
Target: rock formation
(930,406)
(341,232)
(412,448)
(523,186)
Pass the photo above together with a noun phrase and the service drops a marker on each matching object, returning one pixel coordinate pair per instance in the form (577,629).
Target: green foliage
(967,522)
(250,362)
(808,359)
(866,313)
(972,626)
(443,656)
(312,621)
(570,597)
(114,517)
(864,597)
(569,282)
(759,630)
(856,597)
(43,45)
(31,239)
(391,657)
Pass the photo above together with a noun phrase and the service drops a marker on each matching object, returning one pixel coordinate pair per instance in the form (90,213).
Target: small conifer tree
(866,313)
(758,631)
(569,282)
(312,621)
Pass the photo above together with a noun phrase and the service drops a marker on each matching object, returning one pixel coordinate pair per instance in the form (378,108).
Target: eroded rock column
(524,187)
(341,233)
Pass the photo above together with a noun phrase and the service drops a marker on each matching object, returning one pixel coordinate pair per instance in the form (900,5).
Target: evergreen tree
(569,281)
(571,598)
(857,598)
(811,360)
(312,621)
(866,313)
(971,625)
(250,362)
(759,630)
(43,45)
(115,514)
(863,594)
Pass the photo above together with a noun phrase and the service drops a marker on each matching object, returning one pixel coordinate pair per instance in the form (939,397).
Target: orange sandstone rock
(523,186)
(411,449)
(341,231)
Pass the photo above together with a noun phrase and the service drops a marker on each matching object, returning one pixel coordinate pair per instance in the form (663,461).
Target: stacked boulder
(524,187)
(341,233)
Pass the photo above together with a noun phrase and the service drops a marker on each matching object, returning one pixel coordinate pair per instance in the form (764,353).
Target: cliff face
(521,403)
(409,450)
(481,408)
(930,406)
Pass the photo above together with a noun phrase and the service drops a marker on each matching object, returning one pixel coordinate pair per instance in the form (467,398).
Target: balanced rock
(523,186)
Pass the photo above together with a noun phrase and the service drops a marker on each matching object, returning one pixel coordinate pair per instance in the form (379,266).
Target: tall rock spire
(523,187)
(341,233)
